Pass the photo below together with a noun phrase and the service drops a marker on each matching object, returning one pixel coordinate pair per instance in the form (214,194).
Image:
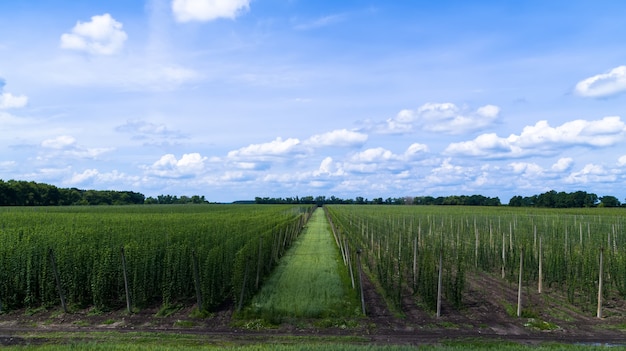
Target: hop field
(137,256)
(429,251)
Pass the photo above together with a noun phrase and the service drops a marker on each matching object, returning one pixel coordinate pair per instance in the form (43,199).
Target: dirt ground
(484,317)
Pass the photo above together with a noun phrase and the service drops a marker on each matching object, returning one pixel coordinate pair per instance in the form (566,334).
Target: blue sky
(234,99)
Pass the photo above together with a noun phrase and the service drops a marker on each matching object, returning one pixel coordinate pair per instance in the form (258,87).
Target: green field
(311,280)
(402,246)
(165,255)
(273,264)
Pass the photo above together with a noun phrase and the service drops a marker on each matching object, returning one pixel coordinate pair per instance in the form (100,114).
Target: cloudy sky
(234,99)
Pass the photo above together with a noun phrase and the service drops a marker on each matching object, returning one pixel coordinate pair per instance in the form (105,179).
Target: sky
(234,99)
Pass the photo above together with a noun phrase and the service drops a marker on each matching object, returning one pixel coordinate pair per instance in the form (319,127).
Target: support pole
(519,287)
(58,280)
(358,255)
(196,279)
(599,314)
(126,286)
(439,283)
(540,283)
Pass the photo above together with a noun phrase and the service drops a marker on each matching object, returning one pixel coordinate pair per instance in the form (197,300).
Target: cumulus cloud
(445,118)
(66,146)
(277,147)
(150,132)
(8,100)
(158,77)
(563,164)
(340,137)
(103,35)
(591,173)
(378,154)
(59,143)
(92,175)
(603,85)
(621,161)
(207,10)
(542,139)
(376,159)
(168,166)
(329,167)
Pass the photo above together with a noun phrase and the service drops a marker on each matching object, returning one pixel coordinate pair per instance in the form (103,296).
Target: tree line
(25,193)
(461,200)
(554,199)
(29,193)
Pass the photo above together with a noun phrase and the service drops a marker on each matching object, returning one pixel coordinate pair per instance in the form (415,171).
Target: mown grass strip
(310,281)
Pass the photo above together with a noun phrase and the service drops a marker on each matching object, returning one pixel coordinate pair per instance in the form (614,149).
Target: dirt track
(484,318)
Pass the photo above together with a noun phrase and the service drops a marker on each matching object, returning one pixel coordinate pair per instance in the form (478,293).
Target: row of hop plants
(402,248)
(108,257)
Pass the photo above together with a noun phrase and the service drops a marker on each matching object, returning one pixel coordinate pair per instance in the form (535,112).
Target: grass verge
(309,282)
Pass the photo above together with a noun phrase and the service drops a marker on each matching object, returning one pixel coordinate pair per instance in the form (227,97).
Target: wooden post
(519,288)
(415,264)
(358,255)
(259,263)
(196,279)
(540,283)
(243,288)
(599,314)
(503,255)
(58,280)
(349,262)
(126,287)
(439,283)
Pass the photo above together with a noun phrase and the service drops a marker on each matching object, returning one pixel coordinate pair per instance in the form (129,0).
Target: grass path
(310,281)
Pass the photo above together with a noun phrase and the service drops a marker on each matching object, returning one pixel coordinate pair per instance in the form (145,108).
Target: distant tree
(609,201)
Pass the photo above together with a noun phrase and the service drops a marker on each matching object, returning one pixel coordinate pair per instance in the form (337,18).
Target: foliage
(401,247)
(307,283)
(162,246)
(22,193)
(553,199)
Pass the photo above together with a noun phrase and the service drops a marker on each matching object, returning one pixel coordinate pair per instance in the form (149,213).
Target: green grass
(310,280)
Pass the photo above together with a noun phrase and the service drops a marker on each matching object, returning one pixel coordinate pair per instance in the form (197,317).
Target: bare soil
(484,317)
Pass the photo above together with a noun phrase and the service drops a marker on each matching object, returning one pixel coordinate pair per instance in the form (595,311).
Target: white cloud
(591,174)
(526,168)
(278,147)
(168,166)
(621,161)
(603,85)
(60,142)
(340,137)
(207,10)
(152,133)
(8,100)
(542,139)
(329,167)
(93,176)
(378,154)
(86,175)
(415,149)
(444,118)
(157,77)
(7,165)
(103,35)
(447,173)
(563,164)
(376,159)
(321,22)
(66,146)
